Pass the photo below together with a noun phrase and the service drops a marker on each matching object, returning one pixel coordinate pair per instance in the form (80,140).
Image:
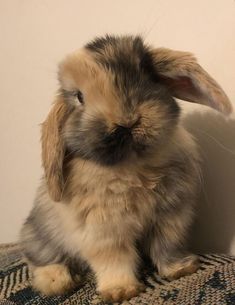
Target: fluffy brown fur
(120,170)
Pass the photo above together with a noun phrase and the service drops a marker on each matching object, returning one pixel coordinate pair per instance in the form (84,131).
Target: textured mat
(213,284)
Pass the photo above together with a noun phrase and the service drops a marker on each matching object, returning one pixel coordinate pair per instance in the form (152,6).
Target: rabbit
(121,174)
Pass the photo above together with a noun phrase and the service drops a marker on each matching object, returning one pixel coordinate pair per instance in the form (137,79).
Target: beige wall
(36,34)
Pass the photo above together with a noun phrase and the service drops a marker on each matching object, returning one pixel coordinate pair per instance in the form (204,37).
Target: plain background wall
(35,35)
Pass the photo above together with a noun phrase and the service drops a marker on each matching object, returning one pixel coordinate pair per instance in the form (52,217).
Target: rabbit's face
(120,110)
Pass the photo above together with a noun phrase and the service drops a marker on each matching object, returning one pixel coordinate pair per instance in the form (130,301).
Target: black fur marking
(106,148)
(117,145)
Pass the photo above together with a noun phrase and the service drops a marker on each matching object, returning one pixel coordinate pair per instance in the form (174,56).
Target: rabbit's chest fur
(107,206)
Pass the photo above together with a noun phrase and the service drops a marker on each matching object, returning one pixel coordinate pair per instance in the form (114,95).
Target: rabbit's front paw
(52,279)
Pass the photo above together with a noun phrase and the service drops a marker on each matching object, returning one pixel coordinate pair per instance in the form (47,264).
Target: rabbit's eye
(79,96)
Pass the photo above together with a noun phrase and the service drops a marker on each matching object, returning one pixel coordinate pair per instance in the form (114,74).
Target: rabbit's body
(123,173)
(108,209)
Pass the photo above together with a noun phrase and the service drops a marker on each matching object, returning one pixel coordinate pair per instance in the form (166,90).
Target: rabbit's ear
(53,148)
(187,80)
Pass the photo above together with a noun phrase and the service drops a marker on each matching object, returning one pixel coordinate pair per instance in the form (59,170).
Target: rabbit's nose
(120,136)
(122,130)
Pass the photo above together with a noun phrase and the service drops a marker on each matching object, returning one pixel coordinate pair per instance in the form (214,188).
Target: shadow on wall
(214,229)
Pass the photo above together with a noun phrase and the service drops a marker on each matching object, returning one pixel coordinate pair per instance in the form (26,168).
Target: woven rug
(213,284)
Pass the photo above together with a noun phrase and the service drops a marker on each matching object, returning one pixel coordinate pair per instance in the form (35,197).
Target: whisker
(62,193)
(215,140)
(156,22)
(70,153)
(89,115)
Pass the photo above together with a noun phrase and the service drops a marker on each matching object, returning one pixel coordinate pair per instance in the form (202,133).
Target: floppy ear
(187,80)
(53,148)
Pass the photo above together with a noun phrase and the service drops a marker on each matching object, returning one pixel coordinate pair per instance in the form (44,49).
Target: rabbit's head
(116,103)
